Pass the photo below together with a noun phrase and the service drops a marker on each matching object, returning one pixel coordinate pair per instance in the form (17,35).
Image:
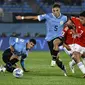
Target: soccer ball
(18,72)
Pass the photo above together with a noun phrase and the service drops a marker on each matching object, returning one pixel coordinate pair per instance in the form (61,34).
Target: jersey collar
(56,17)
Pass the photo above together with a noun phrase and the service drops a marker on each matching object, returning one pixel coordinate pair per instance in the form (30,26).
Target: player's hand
(25,70)
(68,48)
(19,17)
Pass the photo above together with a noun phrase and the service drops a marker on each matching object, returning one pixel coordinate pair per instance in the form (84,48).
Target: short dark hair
(56,5)
(33,40)
(82,14)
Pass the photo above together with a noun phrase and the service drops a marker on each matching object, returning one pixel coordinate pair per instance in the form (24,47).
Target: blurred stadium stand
(22,28)
(23,7)
(67,6)
(41,6)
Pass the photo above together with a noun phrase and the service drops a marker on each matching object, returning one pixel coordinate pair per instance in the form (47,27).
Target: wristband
(22,17)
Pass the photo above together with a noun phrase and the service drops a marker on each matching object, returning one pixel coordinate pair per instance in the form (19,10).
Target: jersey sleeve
(42,17)
(23,57)
(65,31)
(12,41)
(22,63)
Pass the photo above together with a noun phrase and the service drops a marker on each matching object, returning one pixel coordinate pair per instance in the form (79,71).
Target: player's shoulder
(49,14)
(63,15)
(46,14)
(76,18)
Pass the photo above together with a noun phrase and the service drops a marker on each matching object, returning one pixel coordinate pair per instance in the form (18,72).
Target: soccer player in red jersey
(79,45)
(68,33)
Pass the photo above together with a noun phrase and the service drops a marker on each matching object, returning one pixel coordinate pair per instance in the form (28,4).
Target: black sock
(54,58)
(55,54)
(60,64)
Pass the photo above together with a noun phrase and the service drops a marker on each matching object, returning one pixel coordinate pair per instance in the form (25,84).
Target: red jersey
(68,34)
(80,31)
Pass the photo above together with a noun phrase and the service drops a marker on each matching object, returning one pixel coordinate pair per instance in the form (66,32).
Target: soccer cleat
(2,69)
(65,74)
(53,63)
(71,67)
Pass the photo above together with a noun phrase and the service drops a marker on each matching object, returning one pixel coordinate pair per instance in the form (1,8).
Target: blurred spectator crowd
(10,2)
(15,34)
(50,2)
(66,2)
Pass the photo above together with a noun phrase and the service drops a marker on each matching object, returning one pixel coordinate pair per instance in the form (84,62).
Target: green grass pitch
(40,72)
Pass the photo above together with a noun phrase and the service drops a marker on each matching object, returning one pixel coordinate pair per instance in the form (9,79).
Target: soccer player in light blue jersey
(18,51)
(54,23)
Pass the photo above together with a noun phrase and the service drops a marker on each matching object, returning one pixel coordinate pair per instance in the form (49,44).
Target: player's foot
(71,67)
(65,73)
(2,69)
(53,63)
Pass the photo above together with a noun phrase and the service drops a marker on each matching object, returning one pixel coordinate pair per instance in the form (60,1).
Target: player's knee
(13,61)
(57,42)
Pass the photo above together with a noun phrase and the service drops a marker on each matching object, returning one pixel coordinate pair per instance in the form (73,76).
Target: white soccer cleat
(65,74)
(71,67)
(53,63)
(2,69)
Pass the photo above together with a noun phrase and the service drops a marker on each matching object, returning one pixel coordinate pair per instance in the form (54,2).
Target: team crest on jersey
(61,22)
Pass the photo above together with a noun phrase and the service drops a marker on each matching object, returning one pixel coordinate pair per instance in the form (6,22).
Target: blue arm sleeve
(22,61)
(22,64)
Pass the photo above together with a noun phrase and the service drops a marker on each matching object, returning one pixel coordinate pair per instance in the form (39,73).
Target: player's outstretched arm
(22,65)
(66,46)
(26,17)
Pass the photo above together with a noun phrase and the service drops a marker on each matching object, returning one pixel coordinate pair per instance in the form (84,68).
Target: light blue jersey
(54,25)
(19,45)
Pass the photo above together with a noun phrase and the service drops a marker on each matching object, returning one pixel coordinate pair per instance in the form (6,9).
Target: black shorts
(6,55)
(50,45)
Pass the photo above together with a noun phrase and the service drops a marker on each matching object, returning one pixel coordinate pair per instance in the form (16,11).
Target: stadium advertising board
(40,46)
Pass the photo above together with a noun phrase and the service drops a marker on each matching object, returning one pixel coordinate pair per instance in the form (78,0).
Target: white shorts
(61,48)
(74,47)
(77,48)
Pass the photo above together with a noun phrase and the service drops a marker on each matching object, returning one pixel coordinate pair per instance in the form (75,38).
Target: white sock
(72,62)
(83,60)
(81,67)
